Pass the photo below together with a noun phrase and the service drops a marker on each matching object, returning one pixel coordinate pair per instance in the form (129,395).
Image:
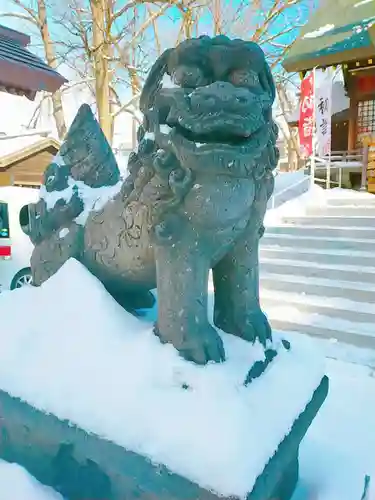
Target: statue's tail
(87,152)
(55,223)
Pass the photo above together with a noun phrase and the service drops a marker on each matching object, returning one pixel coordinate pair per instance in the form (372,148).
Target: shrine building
(342,33)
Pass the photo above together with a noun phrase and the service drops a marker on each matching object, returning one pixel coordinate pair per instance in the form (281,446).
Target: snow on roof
(319,32)
(337,30)
(363,2)
(9,147)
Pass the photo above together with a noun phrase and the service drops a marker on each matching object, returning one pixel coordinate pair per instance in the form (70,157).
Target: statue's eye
(244,78)
(189,76)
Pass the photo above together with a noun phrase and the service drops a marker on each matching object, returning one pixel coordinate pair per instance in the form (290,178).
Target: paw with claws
(204,346)
(201,347)
(256,327)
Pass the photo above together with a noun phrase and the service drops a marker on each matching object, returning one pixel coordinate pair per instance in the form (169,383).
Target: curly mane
(152,159)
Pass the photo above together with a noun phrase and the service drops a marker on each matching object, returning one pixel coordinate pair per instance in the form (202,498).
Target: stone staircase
(318,271)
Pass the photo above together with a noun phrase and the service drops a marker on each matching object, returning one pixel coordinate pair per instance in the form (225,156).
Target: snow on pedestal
(69,349)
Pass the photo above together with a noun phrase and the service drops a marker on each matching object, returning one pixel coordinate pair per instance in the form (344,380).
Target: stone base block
(83,466)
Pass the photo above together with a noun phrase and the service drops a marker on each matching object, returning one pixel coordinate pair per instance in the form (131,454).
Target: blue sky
(170,26)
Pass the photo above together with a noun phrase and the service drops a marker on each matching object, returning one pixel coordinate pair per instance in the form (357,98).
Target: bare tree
(286,108)
(105,44)
(101,58)
(58,111)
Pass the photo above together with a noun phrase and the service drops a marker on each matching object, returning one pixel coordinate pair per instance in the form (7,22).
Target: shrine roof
(22,72)
(339,31)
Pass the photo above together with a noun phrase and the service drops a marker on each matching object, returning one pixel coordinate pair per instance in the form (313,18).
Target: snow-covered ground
(339,449)
(295,203)
(17,484)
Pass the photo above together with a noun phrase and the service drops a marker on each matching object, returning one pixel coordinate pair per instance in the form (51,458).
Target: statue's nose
(220,96)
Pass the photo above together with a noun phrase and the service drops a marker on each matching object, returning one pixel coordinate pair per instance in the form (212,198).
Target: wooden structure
(370,173)
(25,166)
(342,32)
(21,72)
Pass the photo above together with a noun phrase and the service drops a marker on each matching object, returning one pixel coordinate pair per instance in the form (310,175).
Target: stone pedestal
(83,466)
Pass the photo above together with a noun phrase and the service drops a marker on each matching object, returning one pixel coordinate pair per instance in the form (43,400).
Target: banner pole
(312,162)
(328,185)
(330,142)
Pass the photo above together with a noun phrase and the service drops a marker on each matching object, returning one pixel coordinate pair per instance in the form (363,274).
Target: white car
(15,246)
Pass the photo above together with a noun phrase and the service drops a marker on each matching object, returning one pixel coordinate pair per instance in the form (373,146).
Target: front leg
(182,279)
(236,283)
(236,280)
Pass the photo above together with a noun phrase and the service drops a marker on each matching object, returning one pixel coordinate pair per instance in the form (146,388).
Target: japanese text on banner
(306,116)
(323,113)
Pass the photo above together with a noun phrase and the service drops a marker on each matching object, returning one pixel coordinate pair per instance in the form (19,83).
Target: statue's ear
(154,81)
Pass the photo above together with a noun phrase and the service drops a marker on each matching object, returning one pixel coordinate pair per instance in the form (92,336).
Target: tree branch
(30,11)
(19,15)
(126,106)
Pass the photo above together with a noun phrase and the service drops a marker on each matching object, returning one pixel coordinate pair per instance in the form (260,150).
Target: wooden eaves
(22,72)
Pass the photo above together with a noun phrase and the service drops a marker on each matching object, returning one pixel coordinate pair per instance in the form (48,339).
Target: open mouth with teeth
(225,138)
(214,138)
(213,131)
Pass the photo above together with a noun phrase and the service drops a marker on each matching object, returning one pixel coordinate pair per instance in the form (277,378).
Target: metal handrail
(337,161)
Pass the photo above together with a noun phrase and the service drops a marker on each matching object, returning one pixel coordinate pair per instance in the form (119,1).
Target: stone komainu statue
(194,199)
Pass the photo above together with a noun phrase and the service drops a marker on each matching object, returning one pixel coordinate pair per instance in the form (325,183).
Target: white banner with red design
(315,113)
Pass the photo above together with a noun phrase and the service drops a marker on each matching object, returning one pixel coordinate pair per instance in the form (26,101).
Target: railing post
(312,171)
(328,173)
(364,169)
